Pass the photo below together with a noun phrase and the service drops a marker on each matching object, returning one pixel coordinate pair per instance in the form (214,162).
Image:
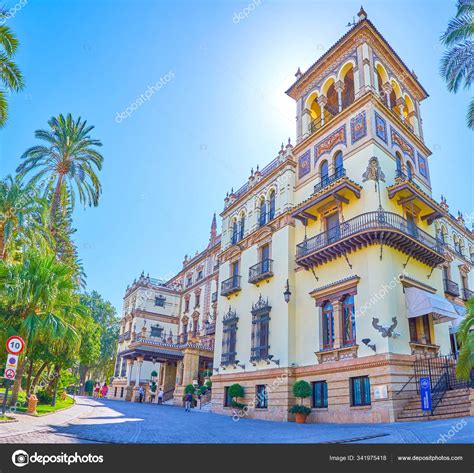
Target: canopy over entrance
(419,303)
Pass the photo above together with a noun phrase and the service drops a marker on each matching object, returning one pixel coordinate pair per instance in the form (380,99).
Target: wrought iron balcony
(451,287)
(124,336)
(467,294)
(228,358)
(401,175)
(214,297)
(230,286)
(325,181)
(261,271)
(377,227)
(260,353)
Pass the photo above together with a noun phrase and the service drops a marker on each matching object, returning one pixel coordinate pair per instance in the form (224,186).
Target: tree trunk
(28,379)
(2,241)
(57,196)
(37,376)
(82,379)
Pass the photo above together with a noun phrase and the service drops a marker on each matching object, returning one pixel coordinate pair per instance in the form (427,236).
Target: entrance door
(412,228)
(332,227)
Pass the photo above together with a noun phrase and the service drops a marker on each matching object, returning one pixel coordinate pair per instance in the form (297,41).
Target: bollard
(32,403)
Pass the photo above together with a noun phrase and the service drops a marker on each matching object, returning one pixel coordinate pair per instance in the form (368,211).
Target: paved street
(122,422)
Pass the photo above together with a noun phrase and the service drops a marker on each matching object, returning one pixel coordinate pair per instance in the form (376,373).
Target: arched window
(324,171)
(338,164)
(263,212)
(398,160)
(271,211)
(235,232)
(348,320)
(242,226)
(328,325)
(409,171)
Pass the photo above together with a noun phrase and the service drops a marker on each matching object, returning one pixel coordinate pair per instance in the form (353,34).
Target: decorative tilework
(358,127)
(422,165)
(304,164)
(327,144)
(406,147)
(381,128)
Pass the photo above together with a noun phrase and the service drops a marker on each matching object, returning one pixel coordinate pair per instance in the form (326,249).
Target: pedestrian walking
(104,390)
(161,394)
(96,390)
(141,394)
(188,399)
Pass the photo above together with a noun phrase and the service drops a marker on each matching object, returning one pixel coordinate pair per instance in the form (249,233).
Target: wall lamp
(366,341)
(287,292)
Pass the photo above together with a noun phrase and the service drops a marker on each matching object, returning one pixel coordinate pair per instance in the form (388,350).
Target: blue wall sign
(425,394)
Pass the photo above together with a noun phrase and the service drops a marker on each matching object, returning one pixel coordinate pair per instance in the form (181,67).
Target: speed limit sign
(15,345)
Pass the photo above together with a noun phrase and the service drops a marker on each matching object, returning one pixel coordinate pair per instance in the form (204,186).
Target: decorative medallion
(373,171)
(304,164)
(327,144)
(381,128)
(406,147)
(358,127)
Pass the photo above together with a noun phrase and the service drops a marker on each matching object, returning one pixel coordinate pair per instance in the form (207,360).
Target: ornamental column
(322,101)
(339,87)
(306,122)
(387,88)
(129,372)
(401,106)
(337,313)
(140,363)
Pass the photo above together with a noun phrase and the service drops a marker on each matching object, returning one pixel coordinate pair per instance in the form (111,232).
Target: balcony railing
(467,294)
(214,297)
(401,175)
(368,228)
(124,336)
(260,353)
(209,328)
(325,181)
(265,217)
(260,271)
(451,287)
(230,286)
(228,358)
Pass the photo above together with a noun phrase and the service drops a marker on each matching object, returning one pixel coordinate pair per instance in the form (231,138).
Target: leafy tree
(465,335)
(68,161)
(11,78)
(457,63)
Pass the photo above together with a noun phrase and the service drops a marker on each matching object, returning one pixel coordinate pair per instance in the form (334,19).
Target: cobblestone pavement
(123,422)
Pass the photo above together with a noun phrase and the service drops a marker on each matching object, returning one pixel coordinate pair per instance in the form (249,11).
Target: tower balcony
(336,187)
(451,287)
(261,271)
(370,228)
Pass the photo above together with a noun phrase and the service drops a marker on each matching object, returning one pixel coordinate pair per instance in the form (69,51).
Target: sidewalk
(27,423)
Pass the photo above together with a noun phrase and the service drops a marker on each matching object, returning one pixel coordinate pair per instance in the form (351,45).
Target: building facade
(335,263)
(167,329)
(345,268)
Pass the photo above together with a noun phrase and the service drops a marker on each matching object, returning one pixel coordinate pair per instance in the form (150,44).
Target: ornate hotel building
(335,264)
(168,327)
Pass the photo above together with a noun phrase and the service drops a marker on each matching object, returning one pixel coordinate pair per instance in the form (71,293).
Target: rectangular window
(160,301)
(121,392)
(186,305)
(198,299)
(115,392)
(227,398)
(426,328)
(320,394)
(360,391)
(413,332)
(261,396)
(200,275)
(189,281)
(156,331)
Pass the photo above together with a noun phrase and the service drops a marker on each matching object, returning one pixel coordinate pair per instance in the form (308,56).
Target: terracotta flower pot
(300,418)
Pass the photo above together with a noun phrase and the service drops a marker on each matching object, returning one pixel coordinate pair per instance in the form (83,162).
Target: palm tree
(465,336)
(38,301)
(457,63)
(23,217)
(11,78)
(68,162)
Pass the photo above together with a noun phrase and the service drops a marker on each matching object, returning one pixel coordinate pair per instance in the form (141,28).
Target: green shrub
(238,405)
(299,409)
(189,389)
(44,397)
(153,387)
(302,389)
(207,373)
(154,374)
(236,391)
(208,383)
(202,390)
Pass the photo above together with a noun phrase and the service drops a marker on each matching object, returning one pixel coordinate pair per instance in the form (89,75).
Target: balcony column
(387,88)
(401,106)
(338,326)
(339,87)
(322,101)
(413,119)
(306,122)
(139,370)
(129,372)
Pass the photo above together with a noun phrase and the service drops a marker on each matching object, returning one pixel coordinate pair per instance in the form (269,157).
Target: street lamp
(287,292)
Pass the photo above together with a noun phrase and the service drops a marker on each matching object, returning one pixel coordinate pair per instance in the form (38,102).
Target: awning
(419,302)
(454,325)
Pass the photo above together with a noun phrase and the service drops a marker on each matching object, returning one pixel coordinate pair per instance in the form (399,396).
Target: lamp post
(287,292)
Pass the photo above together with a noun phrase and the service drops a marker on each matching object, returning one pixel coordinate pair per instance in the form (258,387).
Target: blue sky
(220,108)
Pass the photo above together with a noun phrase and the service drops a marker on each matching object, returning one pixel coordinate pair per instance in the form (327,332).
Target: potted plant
(153,374)
(301,389)
(235,392)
